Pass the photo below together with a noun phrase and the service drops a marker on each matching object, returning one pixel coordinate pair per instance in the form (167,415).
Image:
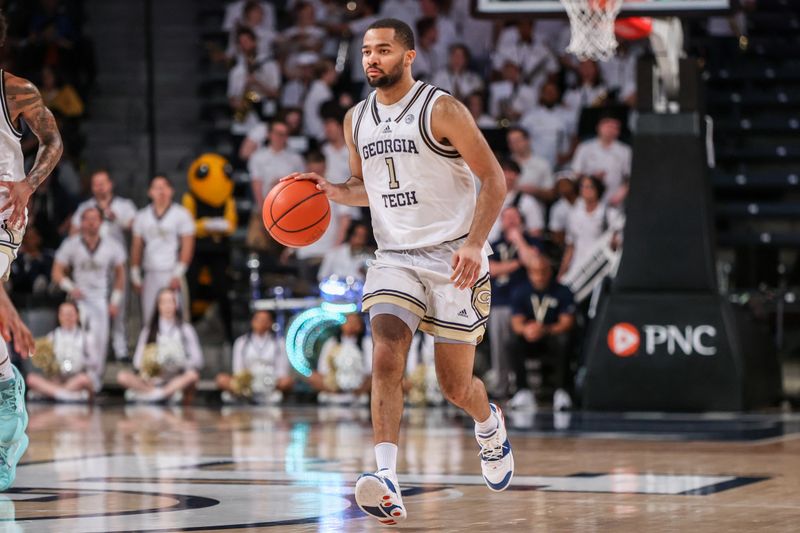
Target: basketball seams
(272,203)
(327,212)
(290,209)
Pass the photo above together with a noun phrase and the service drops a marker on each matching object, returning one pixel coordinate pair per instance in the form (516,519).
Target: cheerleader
(66,359)
(345,364)
(260,365)
(167,358)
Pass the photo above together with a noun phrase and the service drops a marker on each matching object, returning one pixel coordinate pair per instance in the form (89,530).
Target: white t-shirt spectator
(584,230)
(124,211)
(531,211)
(162,235)
(477,34)
(459,85)
(584,96)
(235,10)
(317,94)
(536,61)
(550,131)
(341,262)
(535,172)
(337,162)
(251,350)
(613,162)
(519,97)
(268,73)
(559,214)
(269,166)
(179,340)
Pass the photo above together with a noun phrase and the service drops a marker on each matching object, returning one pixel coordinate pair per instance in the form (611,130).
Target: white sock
(487,426)
(386,456)
(6,370)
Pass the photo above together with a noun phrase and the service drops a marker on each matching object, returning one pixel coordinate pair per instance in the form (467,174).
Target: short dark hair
(598,184)
(510,164)
(100,170)
(315,156)
(3,28)
(244,30)
(402,31)
(163,176)
(520,129)
(92,208)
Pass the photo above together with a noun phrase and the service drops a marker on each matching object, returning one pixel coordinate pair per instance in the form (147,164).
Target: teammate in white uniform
(92,261)
(118,214)
(163,245)
(20,101)
(413,149)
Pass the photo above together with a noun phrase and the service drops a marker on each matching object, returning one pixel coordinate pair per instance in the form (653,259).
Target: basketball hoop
(592,28)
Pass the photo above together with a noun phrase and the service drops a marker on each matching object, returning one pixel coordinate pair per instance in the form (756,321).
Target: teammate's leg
(454,363)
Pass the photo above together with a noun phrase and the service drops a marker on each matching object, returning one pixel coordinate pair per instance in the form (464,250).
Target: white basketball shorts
(10,241)
(419,281)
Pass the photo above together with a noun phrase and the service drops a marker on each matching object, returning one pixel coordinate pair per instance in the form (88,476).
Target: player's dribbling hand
(19,192)
(466,266)
(332,191)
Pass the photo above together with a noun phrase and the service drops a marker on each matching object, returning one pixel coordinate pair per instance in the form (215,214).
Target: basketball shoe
(497,461)
(13,423)
(378,495)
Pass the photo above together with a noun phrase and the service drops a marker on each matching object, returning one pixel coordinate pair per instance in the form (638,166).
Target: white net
(592,28)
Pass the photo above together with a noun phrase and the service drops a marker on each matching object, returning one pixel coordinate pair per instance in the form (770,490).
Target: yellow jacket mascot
(210,200)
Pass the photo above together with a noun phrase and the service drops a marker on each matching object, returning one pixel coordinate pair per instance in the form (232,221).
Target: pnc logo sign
(624,339)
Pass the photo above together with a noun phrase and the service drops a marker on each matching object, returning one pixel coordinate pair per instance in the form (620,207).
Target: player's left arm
(24,101)
(452,124)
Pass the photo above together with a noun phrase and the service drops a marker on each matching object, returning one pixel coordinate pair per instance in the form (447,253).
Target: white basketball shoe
(497,461)
(378,495)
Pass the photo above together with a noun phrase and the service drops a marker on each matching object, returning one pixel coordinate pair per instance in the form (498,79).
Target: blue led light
(339,308)
(301,332)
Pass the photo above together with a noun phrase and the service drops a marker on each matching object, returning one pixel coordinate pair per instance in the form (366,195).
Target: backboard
(637,8)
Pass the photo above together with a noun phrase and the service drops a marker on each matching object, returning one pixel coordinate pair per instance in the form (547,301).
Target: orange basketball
(295,213)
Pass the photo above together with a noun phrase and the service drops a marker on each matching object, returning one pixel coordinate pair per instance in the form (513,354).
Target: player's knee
(455,392)
(387,363)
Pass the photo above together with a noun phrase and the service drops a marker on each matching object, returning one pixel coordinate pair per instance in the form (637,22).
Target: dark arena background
(645,349)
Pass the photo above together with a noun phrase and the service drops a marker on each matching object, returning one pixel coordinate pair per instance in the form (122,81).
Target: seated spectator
(428,60)
(255,139)
(567,190)
(476,104)
(345,365)
(60,96)
(507,273)
(530,210)
(550,126)
(254,84)
(518,44)
(590,92)
(536,176)
(168,357)
(118,212)
(588,220)
(261,371)
(457,79)
(337,156)
(348,259)
(510,97)
(446,33)
(319,92)
(619,72)
(67,363)
(258,17)
(298,141)
(542,321)
(409,11)
(235,12)
(606,158)
(272,162)
(30,273)
(305,36)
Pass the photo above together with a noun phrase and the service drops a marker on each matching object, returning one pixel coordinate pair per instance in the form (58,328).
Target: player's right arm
(352,192)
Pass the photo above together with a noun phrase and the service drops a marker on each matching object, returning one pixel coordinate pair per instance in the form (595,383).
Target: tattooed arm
(24,100)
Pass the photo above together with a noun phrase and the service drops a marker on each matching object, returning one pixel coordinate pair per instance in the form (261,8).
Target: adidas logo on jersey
(387,129)
(463,313)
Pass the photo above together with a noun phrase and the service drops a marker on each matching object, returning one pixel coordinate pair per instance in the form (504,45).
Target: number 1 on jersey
(393,183)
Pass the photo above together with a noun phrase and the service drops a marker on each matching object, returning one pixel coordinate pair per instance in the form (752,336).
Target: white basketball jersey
(162,235)
(421,192)
(11,159)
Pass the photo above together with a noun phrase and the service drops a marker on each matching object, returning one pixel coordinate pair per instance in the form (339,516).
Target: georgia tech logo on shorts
(623,339)
(482,299)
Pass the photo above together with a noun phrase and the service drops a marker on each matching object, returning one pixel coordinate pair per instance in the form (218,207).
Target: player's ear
(409,59)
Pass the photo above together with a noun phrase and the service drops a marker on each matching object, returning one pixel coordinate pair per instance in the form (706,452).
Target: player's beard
(389,78)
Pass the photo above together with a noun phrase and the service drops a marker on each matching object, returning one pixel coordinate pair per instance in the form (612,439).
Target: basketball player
(92,261)
(21,102)
(413,149)
(163,245)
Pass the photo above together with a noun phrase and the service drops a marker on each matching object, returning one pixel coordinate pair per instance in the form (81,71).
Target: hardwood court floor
(293,469)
